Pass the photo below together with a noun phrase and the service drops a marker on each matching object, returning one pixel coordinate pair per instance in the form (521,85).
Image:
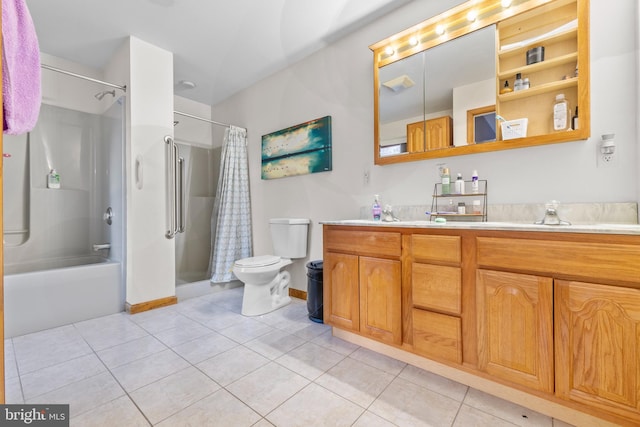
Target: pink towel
(20,68)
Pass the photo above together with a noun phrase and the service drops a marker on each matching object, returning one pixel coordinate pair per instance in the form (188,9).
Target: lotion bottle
(377,209)
(446,181)
(561,114)
(459,184)
(474,182)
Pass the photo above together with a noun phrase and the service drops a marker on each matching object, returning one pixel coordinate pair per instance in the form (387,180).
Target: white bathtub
(51,293)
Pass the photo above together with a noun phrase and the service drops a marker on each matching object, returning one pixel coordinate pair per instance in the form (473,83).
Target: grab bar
(102,246)
(175,190)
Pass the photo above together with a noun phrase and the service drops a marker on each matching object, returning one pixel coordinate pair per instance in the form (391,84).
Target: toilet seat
(258,261)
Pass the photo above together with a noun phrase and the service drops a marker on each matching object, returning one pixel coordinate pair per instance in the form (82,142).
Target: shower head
(102,94)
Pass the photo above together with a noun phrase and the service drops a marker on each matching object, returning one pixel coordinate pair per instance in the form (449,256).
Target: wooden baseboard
(150,305)
(297,293)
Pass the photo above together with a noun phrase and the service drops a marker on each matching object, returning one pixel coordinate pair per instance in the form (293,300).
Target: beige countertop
(631,229)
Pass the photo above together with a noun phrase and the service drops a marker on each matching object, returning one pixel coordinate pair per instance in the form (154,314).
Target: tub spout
(102,246)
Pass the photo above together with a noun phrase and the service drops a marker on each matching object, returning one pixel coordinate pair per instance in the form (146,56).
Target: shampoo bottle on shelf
(446,181)
(561,114)
(377,209)
(474,182)
(53,179)
(459,184)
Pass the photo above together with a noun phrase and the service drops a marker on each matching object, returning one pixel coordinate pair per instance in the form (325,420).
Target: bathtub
(56,292)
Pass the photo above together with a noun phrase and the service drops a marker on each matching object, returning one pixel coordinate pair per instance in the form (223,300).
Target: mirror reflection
(424,99)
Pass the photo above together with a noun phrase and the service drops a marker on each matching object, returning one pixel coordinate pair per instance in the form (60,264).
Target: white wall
(338,81)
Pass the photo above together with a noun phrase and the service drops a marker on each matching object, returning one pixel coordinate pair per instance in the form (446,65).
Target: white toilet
(266,288)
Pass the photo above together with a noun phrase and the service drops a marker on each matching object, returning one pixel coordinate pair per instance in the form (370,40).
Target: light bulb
(472,15)
(440,30)
(506,3)
(413,41)
(389,51)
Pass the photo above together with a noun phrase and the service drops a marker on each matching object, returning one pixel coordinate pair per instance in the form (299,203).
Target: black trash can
(314,290)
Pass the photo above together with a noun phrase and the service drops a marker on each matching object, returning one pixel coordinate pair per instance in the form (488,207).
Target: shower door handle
(175,189)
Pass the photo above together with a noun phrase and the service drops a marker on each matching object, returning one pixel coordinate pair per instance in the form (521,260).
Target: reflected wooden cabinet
(598,346)
(432,134)
(515,327)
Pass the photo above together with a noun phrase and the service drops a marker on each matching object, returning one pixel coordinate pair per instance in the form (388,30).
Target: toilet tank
(289,236)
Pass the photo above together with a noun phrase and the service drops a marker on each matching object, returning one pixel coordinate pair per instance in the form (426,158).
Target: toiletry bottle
(462,208)
(525,83)
(446,181)
(506,88)
(561,113)
(475,185)
(377,209)
(575,122)
(517,85)
(53,179)
(459,184)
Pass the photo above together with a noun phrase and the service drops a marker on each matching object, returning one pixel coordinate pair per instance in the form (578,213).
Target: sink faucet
(551,215)
(387,214)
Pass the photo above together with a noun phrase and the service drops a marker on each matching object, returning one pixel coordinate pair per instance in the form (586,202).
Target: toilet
(266,288)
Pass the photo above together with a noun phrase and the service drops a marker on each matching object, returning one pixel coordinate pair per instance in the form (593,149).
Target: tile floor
(201,363)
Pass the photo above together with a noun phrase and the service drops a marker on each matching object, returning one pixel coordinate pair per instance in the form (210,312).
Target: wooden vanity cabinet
(362,283)
(598,346)
(515,327)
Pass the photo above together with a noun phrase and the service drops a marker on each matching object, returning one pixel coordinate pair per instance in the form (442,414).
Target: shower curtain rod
(80,76)
(202,119)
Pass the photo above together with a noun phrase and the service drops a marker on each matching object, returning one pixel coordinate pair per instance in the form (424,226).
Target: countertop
(631,229)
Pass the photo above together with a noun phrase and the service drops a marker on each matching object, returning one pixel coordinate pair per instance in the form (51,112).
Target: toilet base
(265,298)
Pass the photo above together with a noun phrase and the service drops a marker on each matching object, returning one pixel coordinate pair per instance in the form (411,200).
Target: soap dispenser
(377,209)
(53,179)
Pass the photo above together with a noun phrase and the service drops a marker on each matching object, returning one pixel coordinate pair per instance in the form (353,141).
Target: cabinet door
(415,137)
(438,133)
(598,346)
(380,299)
(515,332)
(340,290)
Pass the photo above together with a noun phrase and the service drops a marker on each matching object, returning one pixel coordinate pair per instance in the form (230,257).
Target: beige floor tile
(144,371)
(204,347)
(378,360)
(274,344)
(118,412)
(336,344)
(246,330)
(508,411)
(13,391)
(219,409)
(358,382)
(10,364)
(407,404)
(189,331)
(266,388)
(48,379)
(434,382)
(310,360)
(367,419)
(164,398)
(130,351)
(109,331)
(315,406)
(162,321)
(232,365)
(85,395)
(469,416)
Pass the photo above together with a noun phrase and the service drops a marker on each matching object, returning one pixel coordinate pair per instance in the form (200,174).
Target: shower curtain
(231,218)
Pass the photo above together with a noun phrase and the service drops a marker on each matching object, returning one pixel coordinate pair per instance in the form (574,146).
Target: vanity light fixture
(506,3)
(440,30)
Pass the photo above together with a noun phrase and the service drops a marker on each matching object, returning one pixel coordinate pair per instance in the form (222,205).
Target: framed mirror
(430,77)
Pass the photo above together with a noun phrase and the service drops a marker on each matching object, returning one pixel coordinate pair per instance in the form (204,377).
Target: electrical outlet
(606,160)
(366,177)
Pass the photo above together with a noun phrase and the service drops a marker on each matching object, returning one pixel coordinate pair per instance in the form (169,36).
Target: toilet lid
(258,261)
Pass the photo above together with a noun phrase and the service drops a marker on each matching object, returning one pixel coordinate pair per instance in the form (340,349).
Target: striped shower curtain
(231,218)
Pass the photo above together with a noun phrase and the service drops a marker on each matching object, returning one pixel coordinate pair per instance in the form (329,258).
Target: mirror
(439,94)
(421,88)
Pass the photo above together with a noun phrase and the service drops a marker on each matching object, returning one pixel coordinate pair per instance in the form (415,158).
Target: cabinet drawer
(436,248)
(363,242)
(606,261)
(437,335)
(436,287)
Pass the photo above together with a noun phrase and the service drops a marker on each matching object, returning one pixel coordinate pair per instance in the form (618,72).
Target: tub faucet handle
(102,246)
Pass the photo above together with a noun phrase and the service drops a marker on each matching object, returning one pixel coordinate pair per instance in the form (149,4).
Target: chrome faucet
(387,214)
(551,215)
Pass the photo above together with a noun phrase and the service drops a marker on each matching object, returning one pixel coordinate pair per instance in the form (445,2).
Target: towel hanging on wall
(21,85)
